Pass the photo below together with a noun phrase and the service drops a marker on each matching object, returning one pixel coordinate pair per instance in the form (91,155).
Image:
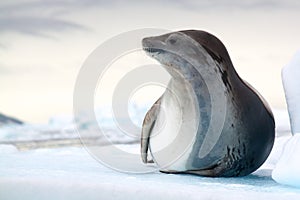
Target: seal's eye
(172,41)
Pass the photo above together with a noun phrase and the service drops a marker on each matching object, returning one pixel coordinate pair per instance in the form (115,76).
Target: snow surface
(71,173)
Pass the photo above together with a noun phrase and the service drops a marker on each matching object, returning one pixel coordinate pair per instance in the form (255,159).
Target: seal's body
(209,121)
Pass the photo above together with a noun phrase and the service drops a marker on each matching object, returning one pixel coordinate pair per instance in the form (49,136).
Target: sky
(44,43)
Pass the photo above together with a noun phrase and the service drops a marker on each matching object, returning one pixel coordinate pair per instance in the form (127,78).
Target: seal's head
(179,51)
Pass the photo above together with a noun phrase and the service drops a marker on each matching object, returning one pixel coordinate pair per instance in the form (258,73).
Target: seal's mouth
(152,50)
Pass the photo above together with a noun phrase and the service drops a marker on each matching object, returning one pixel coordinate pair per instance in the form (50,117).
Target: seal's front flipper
(209,172)
(148,125)
(215,170)
(170,172)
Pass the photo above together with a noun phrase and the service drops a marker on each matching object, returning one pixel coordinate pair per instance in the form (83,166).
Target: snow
(71,173)
(68,171)
(287,170)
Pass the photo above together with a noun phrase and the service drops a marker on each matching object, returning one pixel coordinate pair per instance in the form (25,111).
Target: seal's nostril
(146,43)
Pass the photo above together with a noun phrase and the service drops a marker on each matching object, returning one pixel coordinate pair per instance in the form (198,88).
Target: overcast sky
(44,43)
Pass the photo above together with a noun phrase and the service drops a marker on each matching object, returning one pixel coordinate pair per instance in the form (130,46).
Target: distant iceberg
(5,120)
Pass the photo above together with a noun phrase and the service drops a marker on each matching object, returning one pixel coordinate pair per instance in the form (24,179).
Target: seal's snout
(146,43)
(150,46)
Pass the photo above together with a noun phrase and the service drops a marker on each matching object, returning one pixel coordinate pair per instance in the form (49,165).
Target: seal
(209,121)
